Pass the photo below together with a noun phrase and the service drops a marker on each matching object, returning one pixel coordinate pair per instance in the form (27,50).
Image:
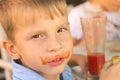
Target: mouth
(55,60)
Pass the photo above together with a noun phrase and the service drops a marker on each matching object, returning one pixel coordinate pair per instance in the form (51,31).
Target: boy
(38,38)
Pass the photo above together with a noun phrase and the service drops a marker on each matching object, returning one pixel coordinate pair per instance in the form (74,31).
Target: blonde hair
(15,12)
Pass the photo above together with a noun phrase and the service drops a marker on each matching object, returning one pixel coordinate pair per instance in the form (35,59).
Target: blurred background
(5,65)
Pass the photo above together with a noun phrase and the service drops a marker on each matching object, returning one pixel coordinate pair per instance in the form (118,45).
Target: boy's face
(44,45)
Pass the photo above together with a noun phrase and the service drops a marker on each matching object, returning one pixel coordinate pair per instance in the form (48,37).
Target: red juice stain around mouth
(55,60)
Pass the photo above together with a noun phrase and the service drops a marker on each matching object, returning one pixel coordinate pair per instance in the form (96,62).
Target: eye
(62,29)
(36,36)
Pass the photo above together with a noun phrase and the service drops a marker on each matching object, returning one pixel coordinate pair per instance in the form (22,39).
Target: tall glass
(94,28)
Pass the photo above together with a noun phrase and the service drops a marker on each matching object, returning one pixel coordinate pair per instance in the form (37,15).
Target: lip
(56,61)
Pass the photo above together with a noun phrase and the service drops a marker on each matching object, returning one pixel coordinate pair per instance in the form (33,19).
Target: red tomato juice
(95,62)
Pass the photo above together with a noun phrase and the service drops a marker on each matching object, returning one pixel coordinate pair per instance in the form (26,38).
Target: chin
(58,70)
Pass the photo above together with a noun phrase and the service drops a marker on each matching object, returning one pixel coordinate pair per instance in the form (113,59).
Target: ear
(11,49)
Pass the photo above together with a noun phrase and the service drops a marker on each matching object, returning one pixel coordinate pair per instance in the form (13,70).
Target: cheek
(32,61)
(32,55)
(69,42)
(67,39)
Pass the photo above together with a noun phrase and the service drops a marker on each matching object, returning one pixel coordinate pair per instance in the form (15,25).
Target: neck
(52,77)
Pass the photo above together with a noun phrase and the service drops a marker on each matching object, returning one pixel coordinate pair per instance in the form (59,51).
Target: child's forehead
(32,14)
(35,16)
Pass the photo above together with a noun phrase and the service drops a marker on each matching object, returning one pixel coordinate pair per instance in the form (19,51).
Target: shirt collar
(24,73)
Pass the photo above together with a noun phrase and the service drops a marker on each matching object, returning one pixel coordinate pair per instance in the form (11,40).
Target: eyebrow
(66,23)
(28,34)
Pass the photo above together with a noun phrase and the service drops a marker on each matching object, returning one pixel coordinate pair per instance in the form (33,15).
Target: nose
(54,44)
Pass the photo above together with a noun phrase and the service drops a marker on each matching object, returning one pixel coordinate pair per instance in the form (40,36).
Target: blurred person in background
(110,8)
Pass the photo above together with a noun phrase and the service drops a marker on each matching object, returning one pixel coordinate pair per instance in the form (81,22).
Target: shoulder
(20,72)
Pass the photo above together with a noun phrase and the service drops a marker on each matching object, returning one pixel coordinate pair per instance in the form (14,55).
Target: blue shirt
(23,73)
